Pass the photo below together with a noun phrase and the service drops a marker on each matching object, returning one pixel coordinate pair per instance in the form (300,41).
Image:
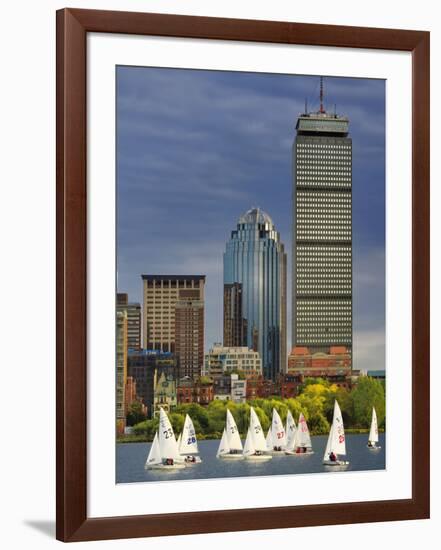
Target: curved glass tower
(255,258)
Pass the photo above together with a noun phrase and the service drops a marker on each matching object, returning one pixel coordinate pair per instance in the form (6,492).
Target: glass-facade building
(322,232)
(255,258)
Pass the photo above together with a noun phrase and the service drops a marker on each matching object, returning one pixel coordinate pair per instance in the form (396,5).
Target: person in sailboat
(332,456)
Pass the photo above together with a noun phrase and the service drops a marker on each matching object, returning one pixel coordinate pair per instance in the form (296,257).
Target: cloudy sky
(195,149)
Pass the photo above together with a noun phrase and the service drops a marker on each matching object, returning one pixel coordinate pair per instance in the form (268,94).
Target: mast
(322,109)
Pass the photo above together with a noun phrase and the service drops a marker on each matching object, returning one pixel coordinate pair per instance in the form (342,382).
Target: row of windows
(321,251)
(324,229)
(332,163)
(340,160)
(323,184)
(325,291)
(187,283)
(331,306)
(319,171)
(305,277)
(328,265)
(312,339)
(323,146)
(323,274)
(336,326)
(336,216)
(325,313)
(323,236)
(323,202)
(329,196)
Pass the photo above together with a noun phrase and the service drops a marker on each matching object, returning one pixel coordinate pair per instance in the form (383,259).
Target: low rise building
(164,392)
(238,389)
(222,360)
(142,366)
(334,365)
(289,385)
(198,391)
(230,387)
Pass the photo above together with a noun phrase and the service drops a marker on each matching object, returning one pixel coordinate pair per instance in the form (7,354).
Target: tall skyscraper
(235,325)
(133,310)
(322,231)
(160,294)
(256,259)
(189,333)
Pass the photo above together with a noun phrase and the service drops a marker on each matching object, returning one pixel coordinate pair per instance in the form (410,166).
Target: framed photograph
(242,274)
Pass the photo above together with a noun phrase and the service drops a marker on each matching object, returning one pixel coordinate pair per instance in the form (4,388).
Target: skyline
(242,126)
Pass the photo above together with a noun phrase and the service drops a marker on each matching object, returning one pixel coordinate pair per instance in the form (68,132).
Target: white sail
(269,439)
(290,431)
(339,431)
(249,449)
(259,441)
(223,449)
(188,443)
(302,437)
(154,456)
(278,430)
(373,434)
(336,440)
(178,442)
(167,440)
(233,436)
(328,448)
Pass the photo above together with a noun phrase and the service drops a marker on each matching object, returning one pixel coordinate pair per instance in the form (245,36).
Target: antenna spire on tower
(322,109)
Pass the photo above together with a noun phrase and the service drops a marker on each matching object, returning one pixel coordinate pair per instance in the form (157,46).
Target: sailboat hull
(258,458)
(335,462)
(375,448)
(190,462)
(294,453)
(229,456)
(166,467)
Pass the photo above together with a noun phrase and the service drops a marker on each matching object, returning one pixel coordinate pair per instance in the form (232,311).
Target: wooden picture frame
(71,506)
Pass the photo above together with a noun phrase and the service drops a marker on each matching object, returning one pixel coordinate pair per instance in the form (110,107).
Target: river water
(130,460)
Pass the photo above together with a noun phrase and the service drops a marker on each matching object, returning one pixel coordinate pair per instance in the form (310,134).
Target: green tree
(147,428)
(177,422)
(135,414)
(368,393)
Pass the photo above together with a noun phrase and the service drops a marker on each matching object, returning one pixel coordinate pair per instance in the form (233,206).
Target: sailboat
(373,434)
(255,443)
(290,430)
(164,452)
(276,437)
(336,444)
(187,443)
(230,446)
(269,439)
(302,440)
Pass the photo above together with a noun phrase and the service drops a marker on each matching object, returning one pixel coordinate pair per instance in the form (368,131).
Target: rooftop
(256,216)
(173,277)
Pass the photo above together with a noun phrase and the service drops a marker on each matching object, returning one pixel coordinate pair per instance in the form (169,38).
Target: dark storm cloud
(197,148)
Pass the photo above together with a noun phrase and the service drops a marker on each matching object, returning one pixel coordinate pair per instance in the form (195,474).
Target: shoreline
(131,438)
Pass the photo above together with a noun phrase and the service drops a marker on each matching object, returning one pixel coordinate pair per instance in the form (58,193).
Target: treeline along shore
(315,401)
